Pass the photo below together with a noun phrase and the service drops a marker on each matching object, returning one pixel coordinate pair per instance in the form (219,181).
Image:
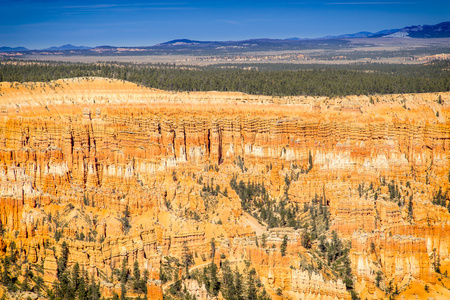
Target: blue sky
(39,24)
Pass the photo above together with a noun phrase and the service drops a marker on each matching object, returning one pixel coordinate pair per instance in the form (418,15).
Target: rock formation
(75,154)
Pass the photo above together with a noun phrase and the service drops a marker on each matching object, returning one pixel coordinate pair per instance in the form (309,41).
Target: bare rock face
(76,154)
(196,290)
(398,255)
(309,285)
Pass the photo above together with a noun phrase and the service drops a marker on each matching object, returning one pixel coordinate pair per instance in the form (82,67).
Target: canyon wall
(76,153)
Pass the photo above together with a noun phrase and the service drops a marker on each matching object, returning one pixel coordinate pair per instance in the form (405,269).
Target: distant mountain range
(183,42)
(441,30)
(13,49)
(67,47)
(60,48)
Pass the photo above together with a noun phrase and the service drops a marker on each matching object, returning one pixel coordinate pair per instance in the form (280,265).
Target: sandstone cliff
(75,153)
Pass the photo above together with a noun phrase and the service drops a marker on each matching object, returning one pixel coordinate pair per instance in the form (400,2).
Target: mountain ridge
(68,47)
(441,30)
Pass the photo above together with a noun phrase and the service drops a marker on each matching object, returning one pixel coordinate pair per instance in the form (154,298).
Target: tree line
(364,79)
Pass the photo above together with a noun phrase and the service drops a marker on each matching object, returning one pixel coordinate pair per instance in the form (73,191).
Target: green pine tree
(284,245)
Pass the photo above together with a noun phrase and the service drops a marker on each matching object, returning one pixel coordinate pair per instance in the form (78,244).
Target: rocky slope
(76,153)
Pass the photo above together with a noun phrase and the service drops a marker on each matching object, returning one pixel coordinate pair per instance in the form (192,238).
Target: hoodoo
(299,197)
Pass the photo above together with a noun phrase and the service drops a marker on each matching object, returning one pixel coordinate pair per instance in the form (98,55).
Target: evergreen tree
(62,260)
(251,293)
(306,240)
(176,287)
(284,245)
(136,277)
(227,286)
(136,272)
(213,249)
(143,284)
(123,291)
(93,290)
(124,271)
(410,208)
(238,284)
(81,289)
(215,283)
(25,286)
(38,284)
(125,220)
(74,280)
(264,240)
(188,259)
(310,161)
